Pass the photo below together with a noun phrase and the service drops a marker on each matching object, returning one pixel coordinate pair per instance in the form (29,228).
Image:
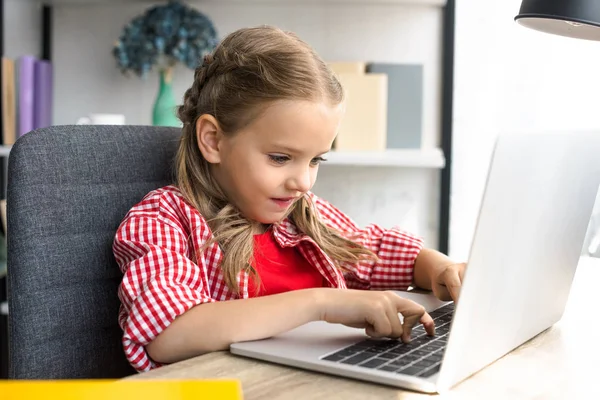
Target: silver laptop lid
(537,204)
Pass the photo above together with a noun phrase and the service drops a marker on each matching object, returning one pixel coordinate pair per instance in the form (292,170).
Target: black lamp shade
(572,18)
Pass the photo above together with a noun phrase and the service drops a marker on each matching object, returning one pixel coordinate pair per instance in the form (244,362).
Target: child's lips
(283,202)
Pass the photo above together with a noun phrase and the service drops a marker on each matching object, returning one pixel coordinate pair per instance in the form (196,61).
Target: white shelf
(409,158)
(432,158)
(4,308)
(5,150)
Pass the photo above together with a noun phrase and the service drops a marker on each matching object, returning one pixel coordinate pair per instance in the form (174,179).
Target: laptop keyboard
(421,357)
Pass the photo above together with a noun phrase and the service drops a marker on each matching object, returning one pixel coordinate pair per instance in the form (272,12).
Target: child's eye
(317,160)
(278,159)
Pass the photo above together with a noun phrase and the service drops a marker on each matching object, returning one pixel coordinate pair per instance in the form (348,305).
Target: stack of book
(384,106)
(26,96)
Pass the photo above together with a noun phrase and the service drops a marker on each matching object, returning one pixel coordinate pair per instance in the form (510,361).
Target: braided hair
(249,69)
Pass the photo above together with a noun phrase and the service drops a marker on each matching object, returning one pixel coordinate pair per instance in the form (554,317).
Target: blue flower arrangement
(162,36)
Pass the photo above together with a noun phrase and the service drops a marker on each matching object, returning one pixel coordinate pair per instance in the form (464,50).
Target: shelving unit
(436,158)
(408,158)
(5,150)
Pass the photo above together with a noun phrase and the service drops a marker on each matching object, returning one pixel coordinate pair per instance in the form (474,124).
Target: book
(405,103)
(9,106)
(26,85)
(347,67)
(364,123)
(42,103)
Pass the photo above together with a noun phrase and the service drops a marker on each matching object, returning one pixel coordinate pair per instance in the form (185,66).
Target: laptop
(539,195)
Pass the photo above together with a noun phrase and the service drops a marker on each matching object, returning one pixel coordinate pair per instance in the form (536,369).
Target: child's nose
(301,181)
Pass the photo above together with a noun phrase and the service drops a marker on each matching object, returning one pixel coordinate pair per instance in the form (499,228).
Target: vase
(164,112)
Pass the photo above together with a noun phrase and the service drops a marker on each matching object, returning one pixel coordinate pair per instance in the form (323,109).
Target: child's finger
(441,292)
(453,283)
(428,324)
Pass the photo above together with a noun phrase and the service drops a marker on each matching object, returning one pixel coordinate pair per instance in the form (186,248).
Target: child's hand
(446,281)
(437,272)
(376,311)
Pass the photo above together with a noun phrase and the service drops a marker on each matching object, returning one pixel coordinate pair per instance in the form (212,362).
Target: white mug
(102,119)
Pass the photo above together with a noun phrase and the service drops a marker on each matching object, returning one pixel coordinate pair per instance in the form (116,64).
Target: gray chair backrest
(69,187)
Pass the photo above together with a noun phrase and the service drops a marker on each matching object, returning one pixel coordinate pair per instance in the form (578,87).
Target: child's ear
(208,136)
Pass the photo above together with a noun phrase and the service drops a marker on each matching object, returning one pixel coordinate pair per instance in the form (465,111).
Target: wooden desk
(560,363)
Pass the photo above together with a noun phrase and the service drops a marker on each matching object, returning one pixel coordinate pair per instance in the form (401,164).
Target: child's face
(272,162)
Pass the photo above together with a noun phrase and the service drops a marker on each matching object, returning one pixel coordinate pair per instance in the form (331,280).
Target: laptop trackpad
(426,299)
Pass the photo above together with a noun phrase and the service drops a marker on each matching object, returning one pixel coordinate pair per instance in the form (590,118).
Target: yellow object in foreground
(117,390)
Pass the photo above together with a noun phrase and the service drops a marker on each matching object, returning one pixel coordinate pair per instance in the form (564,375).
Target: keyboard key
(420,341)
(436,344)
(430,371)
(418,331)
(436,357)
(359,346)
(374,363)
(335,357)
(410,357)
(429,348)
(355,348)
(388,355)
(347,353)
(388,368)
(447,309)
(371,342)
(401,362)
(420,352)
(423,364)
(357,359)
(382,347)
(409,371)
(401,350)
(437,313)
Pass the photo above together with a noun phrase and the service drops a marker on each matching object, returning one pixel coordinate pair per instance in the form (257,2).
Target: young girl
(239,249)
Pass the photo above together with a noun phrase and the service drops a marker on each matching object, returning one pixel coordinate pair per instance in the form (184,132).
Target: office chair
(69,187)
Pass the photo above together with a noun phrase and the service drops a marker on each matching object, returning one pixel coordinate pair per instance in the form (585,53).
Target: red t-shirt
(281,269)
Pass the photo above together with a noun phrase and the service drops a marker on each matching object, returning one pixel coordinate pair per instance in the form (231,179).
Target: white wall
(22,28)
(87,80)
(510,79)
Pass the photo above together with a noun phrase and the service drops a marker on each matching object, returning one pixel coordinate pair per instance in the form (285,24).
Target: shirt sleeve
(396,249)
(160,281)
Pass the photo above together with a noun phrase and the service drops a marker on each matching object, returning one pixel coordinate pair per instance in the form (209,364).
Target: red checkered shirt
(157,247)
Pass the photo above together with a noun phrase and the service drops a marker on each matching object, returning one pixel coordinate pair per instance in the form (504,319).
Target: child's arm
(402,259)
(215,326)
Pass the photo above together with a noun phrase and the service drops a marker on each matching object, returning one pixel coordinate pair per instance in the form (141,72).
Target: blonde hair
(250,68)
